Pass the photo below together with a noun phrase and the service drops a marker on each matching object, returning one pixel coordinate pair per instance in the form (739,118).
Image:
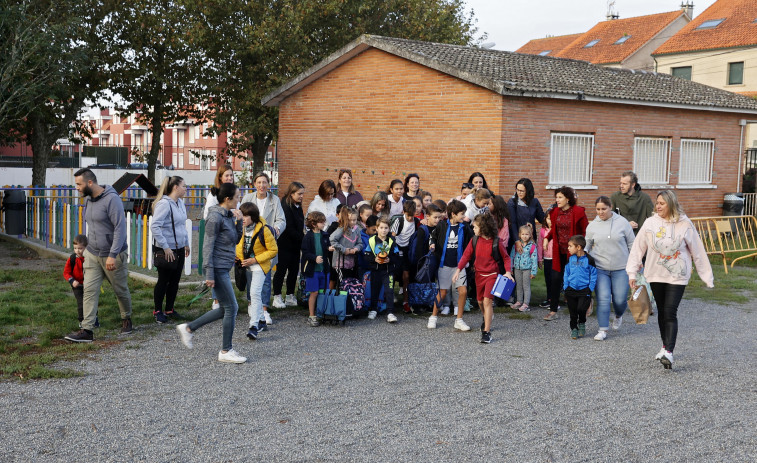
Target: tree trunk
(41,142)
(156,129)
(260,145)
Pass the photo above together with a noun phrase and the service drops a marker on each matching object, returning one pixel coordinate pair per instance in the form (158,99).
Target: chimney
(611,11)
(688,8)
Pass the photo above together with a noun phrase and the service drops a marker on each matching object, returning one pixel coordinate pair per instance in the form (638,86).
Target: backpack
(72,263)
(414,243)
(356,293)
(259,236)
(495,254)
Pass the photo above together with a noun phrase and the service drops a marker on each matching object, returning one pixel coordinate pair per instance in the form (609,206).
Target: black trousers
(548,277)
(289,265)
(667,297)
(557,277)
(168,284)
(79,295)
(578,304)
(382,279)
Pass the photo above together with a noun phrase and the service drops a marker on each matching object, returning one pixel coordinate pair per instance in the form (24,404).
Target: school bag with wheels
(356,295)
(304,298)
(331,306)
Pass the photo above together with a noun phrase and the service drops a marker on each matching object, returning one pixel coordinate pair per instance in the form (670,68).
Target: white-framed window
(695,165)
(191,135)
(651,160)
(175,161)
(571,159)
(204,161)
(197,132)
(213,158)
(181,160)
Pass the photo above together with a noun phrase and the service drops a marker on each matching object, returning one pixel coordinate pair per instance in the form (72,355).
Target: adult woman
(224,174)
(325,202)
(524,208)
(670,243)
(396,197)
(380,204)
(290,242)
(412,186)
(273,215)
(568,219)
(223,230)
(347,194)
(170,233)
(609,238)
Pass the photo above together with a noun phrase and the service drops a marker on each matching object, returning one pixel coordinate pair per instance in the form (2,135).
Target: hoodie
(636,207)
(609,242)
(222,233)
(106,224)
(670,247)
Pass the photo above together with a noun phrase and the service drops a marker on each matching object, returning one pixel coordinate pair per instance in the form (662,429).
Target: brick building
(385,107)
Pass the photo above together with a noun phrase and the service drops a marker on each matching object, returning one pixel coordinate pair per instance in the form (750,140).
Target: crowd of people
(472,239)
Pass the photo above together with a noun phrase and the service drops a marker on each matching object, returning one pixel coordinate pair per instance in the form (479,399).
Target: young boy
(403,228)
(73,272)
(578,283)
(449,240)
(382,255)
(315,265)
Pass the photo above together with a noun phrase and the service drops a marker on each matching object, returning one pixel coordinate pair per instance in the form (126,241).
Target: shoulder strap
(473,243)
(497,256)
(72,263)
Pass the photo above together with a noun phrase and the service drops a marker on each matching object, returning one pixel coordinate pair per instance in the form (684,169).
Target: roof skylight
(622,39)
(710,24)
(545,53)
(592,43)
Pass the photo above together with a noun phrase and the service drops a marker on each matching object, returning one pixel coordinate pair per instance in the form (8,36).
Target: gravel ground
(371,391)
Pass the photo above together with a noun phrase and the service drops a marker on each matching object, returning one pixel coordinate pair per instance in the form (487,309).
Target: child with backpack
(546,247)
(578,283)
(422,291)
(383,257)
(255,250)
(346,242)
(73,272)
(403,230)
(525,266)
(449,239)
(315,264)
(364,265)
(490,259)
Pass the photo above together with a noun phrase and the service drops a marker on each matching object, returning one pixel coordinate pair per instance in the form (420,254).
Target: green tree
(257,45)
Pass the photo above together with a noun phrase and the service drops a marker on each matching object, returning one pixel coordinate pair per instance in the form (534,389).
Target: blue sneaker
(252,333)
(262,326)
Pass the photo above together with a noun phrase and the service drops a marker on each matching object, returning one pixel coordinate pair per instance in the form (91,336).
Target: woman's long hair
(293,188)
(166,187)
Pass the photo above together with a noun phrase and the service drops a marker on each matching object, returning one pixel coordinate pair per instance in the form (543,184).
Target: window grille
(571,159)
(696,161)
(651,160)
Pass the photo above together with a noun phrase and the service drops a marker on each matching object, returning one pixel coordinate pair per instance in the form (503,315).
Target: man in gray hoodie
(105,255)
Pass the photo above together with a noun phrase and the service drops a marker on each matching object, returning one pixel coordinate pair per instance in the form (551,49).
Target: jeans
(578,303)
(168,284)
(522,285)
(94,273)
(227,310)
(255,281)
(289,265)
(667,297)
(265,294)
(611,285)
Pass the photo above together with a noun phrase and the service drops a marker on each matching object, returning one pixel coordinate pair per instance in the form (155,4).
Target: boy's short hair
(314,218)
(578,240)
(440,204)
(384,220)
(81,239)
(431,208)
(455,207)
(363,207)
(409,207)
(483,193)
(250,210)
(371,221)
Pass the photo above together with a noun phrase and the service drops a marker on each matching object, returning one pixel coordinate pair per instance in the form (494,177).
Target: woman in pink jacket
(670,242)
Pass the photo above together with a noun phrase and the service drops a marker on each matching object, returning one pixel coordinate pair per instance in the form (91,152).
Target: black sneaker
(173,315)
(252,333)
(544,304)
(80,336)
(262,326)
(160,317)
(126,327)
(486,337)
(483,325)
(97,322)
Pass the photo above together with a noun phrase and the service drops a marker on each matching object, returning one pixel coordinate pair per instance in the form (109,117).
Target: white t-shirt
(248,235)
(261,204)
(403,239)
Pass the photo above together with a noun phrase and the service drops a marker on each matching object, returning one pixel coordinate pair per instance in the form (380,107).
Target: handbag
(159,256)
(240,276)
(422,294)
(639,305)
(503,287)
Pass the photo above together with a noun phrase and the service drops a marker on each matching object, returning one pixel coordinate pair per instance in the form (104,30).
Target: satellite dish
(488,45)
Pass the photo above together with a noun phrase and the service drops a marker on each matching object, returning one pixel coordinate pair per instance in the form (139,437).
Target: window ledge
(696,186)
(656,186)
(575,187)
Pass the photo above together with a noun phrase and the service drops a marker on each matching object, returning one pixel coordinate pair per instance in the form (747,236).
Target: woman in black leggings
(289,243)
(670,243)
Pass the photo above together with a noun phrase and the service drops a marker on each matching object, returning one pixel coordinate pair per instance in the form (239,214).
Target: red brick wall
(383,117)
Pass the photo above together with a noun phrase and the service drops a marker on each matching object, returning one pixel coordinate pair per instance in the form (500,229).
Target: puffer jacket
(222,233)
(263,254)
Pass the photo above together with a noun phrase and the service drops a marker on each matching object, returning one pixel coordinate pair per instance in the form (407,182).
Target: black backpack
(495,253)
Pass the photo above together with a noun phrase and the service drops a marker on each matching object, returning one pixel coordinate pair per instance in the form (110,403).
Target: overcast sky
(512,23)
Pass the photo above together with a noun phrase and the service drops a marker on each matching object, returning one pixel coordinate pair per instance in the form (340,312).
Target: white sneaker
(290,300)
(461,325)
(372,315)
(267,316)
(455,311)
(617,322)
(432,322)
(231,356)
(445,311)
(667,359)
(278,302)
(215,305)
(660,354)
(601,336)
(391,318)
(186,336)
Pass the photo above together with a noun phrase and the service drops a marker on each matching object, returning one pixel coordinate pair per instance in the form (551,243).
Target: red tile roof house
(384,107)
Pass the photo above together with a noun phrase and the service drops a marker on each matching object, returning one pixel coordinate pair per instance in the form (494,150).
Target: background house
(385,107)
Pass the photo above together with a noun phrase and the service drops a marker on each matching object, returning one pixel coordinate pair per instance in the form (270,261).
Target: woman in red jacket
(567,220)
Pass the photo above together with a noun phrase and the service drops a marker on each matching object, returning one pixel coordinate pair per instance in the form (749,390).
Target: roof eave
(687,52)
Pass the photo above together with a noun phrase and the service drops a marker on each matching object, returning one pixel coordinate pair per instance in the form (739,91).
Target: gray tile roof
(516,74)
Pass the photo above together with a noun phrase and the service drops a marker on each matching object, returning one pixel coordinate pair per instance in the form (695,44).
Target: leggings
(168,284)
(289,264)
(557,277)
(667,297)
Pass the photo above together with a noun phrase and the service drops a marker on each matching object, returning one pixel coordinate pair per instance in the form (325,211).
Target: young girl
(486,267)
(419,209)
(426,199)
(481,203)
(315,265)
(546,246)
(380,204)
(346,243)
(255,250)
(465,190)
(362,214)
(403,229)
(396,188)
(382,256)
(525,266)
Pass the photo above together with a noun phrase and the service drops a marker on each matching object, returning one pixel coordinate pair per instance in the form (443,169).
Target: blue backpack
(414,242)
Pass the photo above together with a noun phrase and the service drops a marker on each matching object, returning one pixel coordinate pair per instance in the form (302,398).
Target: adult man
(105,255)
(632,203)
